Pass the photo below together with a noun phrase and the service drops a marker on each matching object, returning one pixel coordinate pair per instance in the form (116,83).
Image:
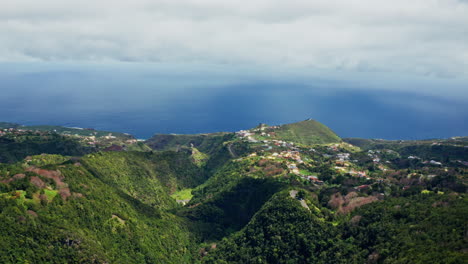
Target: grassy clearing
(306,172)
(199,158)
(50,194)
(185,194)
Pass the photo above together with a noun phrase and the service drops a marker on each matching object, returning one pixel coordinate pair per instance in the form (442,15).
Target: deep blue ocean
(151,102)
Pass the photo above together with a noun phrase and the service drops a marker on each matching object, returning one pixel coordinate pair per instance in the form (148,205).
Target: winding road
(293,194)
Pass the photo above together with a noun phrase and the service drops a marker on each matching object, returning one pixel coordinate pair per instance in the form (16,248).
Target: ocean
(143,103)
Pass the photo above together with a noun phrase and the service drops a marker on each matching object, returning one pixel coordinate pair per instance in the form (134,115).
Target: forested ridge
(246,197)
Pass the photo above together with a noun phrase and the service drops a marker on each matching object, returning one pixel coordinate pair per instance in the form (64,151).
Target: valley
(296,193)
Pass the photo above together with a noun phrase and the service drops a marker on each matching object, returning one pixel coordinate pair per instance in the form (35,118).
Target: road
(293,194)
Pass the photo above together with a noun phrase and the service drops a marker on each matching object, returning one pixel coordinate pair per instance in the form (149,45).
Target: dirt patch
(77,195)
(15,177)
(121,221)
(56,175)
(37,182)
(19,176)
(272,170)
(7,181)
(357,202)
(43,197)
(195,205)
(440,204)
(32,213)
(349,202)
(355,220)
(351,195)
(64,193)
(336,201)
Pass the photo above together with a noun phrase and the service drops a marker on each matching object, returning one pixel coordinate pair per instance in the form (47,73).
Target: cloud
(427,37)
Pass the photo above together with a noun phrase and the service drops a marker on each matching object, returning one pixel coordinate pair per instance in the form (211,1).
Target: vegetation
(289,194)
(308,132)
(14,148)
(148,177)
(438,149)
(205,143)
(184,194)
(284,232)
(417,229)
(80,218)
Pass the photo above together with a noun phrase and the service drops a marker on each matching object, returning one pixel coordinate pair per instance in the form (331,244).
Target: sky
(427,37)
(418,47)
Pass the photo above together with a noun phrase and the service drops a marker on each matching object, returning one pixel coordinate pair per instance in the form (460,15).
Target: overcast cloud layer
(428,37)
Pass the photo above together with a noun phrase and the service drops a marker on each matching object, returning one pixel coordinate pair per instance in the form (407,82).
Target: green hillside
(216,148)
(65,130)
(283,231)
(307,132)
(405,230)
(245,197)
(14,148)
(146,176)
(438,149)
(204,142)
(76,131)
(64,213)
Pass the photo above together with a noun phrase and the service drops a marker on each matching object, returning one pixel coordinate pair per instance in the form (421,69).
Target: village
(301,160)
(320,165)
(107,141)
(294,156)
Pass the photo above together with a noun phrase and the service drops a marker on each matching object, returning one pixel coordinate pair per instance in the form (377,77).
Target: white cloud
(418,37)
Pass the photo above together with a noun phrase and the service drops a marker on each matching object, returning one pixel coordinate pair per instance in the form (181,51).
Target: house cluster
(281,143)
(343,156)
(268,134)
(313,179)
(293,158)
(361,174)
(433,162)
(110,136)
(334,147)
(293,168)
(244,133)
(373,155)
(288,154)
(14,131)
(263,127)
(91,140)
(131,141)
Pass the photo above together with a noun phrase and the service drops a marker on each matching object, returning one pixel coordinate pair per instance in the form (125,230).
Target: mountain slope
(248,197)
(203,142)
(61,212)
(146,176)
(16,148)
(419,229)
(284,232)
